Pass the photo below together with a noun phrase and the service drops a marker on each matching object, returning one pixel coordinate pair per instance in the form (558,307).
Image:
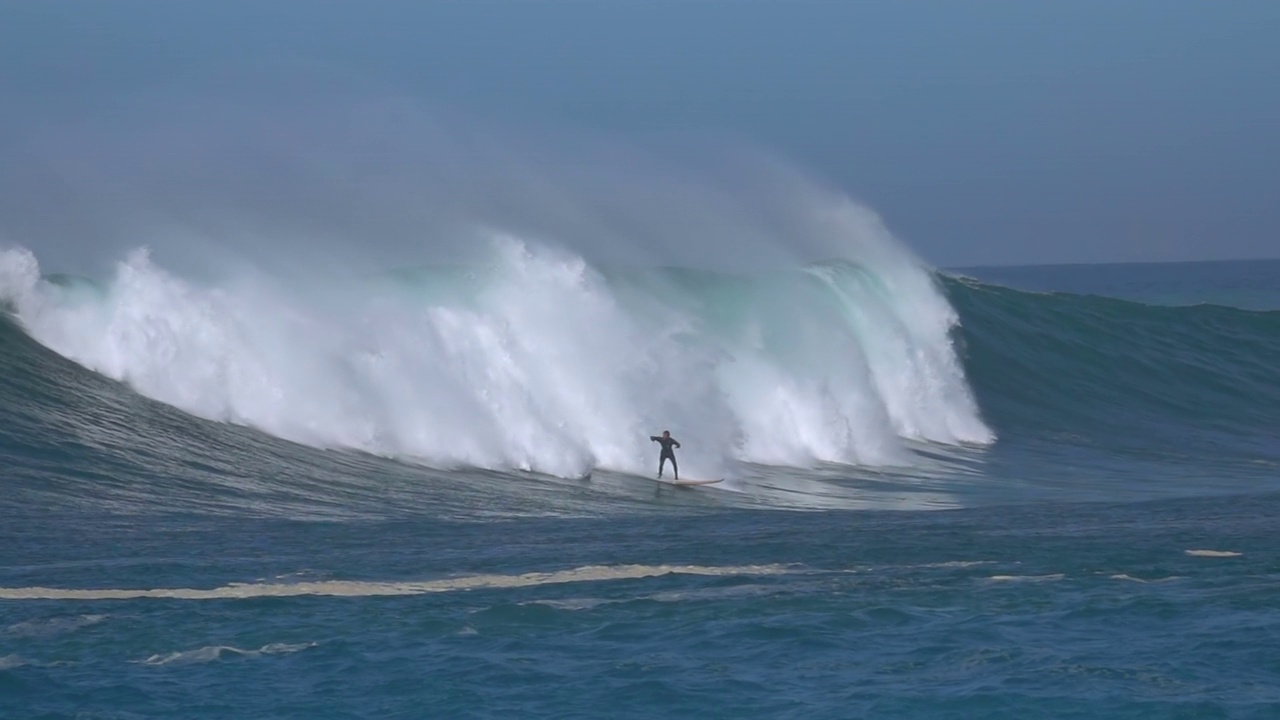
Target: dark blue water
(1111,555)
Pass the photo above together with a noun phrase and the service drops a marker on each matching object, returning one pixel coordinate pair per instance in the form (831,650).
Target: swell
(1172,379)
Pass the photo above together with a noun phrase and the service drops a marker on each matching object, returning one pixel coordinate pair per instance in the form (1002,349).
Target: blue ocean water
(1030,493)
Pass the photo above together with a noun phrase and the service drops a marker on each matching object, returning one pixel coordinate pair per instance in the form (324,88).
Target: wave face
(1171,381)
(535,360)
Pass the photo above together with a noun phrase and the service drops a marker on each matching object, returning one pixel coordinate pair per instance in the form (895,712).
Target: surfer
(666,454)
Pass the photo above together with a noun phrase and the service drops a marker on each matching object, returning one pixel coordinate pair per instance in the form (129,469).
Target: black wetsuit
(667,454)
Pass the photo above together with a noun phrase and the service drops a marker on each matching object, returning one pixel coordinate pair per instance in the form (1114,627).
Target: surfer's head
(666,433)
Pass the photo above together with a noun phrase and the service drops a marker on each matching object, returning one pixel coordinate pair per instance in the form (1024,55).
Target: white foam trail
(725,593)
(1026,578)
(9,662)
(1130,578)
(215,652)
(344,588)
(537,362)
(1213,553)
(53,626)
(576,603)
(958,564)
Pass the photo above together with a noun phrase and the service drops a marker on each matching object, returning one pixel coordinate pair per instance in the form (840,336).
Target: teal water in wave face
(1107,552)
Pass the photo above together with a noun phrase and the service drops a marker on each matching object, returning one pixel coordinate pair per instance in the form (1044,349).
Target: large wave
(536,359)
(1171,382)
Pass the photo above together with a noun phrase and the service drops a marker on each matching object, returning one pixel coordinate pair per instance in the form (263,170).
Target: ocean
(1046,492)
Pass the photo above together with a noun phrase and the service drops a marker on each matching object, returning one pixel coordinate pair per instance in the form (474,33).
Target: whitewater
(533,359)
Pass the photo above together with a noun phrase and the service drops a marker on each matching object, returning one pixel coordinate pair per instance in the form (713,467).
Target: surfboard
(691,482)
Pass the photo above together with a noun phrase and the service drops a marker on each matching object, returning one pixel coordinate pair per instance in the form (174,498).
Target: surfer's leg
(662,460)
(674,467)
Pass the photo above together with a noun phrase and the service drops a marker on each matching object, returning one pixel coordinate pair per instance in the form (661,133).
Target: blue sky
(984,132)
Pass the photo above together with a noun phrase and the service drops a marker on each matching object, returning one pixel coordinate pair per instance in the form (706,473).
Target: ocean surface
(1048,492)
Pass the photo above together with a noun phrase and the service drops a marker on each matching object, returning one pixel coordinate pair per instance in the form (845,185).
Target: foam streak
(339,588)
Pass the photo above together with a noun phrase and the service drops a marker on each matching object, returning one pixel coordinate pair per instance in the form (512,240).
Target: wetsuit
(666,454)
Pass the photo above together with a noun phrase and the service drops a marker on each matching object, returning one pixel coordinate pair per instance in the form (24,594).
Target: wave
(1172,379)
(898,383)
(535,360)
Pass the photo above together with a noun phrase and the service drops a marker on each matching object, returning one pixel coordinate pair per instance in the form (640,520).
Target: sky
(983,132)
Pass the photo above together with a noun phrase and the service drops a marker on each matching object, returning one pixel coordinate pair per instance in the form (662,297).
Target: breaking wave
(535,359)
